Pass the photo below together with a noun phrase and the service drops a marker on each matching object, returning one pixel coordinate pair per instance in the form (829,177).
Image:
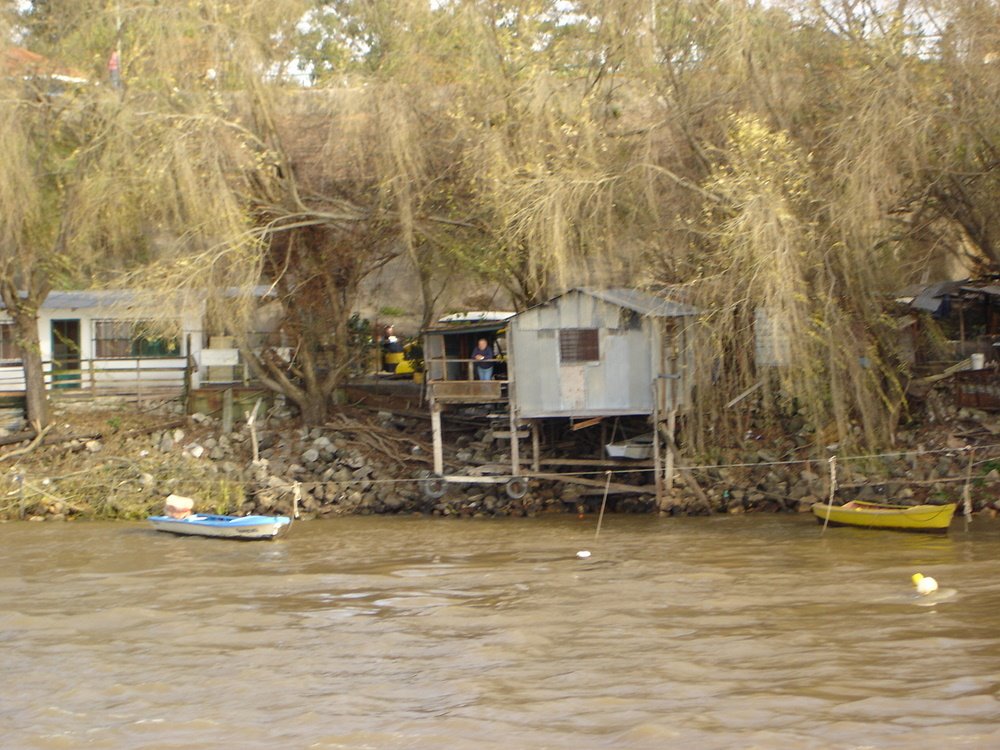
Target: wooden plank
(470,391)
(505,434)
(613,488)
(638,465)
(470,479)
(743,395)
(587,423)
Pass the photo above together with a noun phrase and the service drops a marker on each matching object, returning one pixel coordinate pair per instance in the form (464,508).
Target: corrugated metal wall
(621,382)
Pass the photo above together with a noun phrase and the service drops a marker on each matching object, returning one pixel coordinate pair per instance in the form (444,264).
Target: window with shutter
(578,345)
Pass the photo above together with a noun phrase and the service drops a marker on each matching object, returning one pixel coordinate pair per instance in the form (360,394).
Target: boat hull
(224,527)
(637,448)
(925,518)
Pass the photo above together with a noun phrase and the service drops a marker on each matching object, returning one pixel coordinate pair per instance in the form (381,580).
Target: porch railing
(453,379)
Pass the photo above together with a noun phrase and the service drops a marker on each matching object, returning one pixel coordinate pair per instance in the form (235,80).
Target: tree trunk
(24,313)
(314,408)
(310,395)
(36,397)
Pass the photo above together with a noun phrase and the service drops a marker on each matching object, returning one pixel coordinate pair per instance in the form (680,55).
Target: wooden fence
(132,377)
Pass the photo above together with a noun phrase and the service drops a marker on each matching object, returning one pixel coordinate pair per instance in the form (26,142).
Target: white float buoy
(925,584)
(583,554)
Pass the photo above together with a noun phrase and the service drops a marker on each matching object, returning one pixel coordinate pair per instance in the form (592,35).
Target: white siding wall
(146,369)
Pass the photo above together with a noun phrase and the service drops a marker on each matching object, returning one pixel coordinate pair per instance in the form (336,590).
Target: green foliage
(413,352)
(222,498)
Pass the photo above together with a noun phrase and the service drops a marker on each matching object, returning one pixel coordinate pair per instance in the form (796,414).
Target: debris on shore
(118,462)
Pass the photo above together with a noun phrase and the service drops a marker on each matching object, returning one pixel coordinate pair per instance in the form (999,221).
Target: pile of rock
(376,465)
(336,475)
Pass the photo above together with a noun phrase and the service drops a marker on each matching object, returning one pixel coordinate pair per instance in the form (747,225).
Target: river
(725,632)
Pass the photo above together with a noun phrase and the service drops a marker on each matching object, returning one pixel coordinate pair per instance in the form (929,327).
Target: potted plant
(413,353)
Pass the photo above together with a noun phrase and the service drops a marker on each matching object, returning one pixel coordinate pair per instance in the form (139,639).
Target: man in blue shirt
(483,355)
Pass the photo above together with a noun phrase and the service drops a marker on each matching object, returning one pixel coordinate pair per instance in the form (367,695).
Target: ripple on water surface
(429,633)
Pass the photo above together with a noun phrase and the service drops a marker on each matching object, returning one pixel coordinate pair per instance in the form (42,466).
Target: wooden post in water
(967,490)
(604,504)
(252,424)
(833,492)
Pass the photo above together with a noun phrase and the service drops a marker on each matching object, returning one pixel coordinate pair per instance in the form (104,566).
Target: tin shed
(601,352)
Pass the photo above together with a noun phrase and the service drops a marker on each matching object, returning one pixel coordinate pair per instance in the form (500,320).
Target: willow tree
(249,180)
(546,119)
(822,139)
(29,240)
(786,164)
(52,135)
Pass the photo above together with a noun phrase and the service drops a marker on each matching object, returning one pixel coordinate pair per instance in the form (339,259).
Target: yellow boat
(931,518)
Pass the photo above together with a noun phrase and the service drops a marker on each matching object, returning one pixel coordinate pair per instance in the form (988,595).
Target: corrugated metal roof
(488,326)
(83,299)
(78,300)
(992,290)
(477,316)
(645,303)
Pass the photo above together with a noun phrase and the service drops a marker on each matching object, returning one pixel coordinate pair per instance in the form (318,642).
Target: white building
(103,340)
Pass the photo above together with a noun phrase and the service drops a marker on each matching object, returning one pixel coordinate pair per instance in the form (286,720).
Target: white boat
(637,447)
(224,527)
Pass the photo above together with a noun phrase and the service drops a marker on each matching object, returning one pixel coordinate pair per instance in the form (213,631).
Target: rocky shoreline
(368,463)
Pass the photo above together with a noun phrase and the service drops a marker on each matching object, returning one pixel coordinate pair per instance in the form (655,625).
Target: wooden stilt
(689,478)
(535,446)
(668,473)
(515,453)
(438,440)
(657,462)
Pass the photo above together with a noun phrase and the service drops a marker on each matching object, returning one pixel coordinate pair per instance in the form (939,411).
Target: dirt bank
(121,461)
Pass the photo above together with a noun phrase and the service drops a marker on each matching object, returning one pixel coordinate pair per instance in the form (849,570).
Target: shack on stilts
(587,358)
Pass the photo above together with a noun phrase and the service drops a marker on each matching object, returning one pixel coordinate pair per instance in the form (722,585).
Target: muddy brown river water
(729,632)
